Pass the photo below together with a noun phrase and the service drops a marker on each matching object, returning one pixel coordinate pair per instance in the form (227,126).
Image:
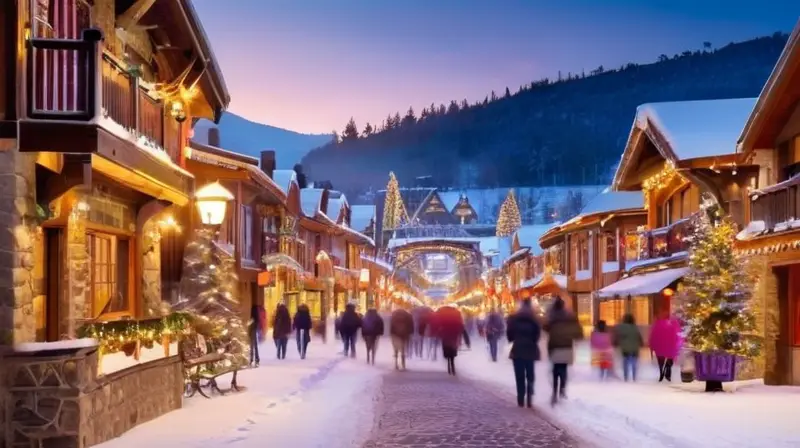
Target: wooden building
(96,100)
(592,244)
(771,140)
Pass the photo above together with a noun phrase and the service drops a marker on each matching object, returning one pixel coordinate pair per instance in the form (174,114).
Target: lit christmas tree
(209,295)
(508,221)
(717,290)
(394,211)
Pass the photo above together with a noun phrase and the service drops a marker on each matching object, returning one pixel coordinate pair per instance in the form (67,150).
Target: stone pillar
(767,310)
(76,304)
(19,284)
(151,268)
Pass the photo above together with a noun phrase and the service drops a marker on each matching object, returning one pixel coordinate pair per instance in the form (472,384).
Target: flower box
(717,366)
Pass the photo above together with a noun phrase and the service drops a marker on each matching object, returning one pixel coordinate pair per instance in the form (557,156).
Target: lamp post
(212,202)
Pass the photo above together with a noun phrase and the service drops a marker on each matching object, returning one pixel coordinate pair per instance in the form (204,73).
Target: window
(640,309)
(611,246)
(109,260)
(248,248)
(611,311)
(583,254)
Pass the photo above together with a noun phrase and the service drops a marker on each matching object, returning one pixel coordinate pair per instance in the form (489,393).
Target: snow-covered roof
(284,179)
(360,216)
(643,284)
(613,201)
(487,244)
(696,129)
(529,236)
(310,201)
(336,200)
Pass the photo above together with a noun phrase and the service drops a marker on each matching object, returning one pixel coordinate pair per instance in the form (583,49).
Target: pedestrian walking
(451,331)
(523,333)
(371,330)
(302,327)
(493,328)
(664,341)
(602,349)
(349,326)
(628,339)
(254,331)
(563,330)
(401,328)
(281,329)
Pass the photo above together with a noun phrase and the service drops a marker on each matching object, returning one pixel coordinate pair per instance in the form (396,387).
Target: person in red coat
(451,330)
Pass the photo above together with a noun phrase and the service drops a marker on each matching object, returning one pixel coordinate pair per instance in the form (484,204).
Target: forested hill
(549,132)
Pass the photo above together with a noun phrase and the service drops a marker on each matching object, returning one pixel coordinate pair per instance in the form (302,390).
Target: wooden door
(53,278)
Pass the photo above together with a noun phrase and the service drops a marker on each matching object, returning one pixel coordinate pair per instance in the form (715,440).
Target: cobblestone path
(433,409)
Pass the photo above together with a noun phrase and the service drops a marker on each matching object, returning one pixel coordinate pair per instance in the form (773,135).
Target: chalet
(592,243)
(771,140)
(678,154)
(247,233)
(96,102)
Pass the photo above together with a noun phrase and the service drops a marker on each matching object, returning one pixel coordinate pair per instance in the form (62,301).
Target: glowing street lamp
(212,201)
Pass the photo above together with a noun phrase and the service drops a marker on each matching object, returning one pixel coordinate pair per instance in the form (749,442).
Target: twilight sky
(308,65)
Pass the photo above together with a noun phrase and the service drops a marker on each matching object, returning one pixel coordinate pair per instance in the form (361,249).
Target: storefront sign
(264,278)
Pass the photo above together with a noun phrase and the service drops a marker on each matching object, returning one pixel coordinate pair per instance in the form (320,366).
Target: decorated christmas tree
(209,295)
(717,290)
(508,220)
(394,211)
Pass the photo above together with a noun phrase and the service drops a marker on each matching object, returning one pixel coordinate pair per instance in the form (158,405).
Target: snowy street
(302,403)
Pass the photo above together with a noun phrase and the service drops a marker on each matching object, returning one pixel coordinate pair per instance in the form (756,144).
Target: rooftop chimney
(268,162)
(213,137)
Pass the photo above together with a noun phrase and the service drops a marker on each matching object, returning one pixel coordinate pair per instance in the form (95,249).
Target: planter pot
(129,348)
(687,377)
(716,367)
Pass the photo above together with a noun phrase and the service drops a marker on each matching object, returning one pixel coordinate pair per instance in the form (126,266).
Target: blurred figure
(255,330)
(371,330)
(629,340)
(451,331)
(281,329)
(563,330)
(302,326)
(602,349)
(494,328)
(523,333)
(349,326)
(337,326)
(401,328)
(665,343)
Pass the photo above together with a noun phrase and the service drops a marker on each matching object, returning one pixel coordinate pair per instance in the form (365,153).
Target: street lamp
(212,200)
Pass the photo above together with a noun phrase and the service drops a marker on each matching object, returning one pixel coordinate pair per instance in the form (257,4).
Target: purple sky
(308,65)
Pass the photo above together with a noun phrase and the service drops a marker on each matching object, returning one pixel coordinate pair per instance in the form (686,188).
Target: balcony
(777,206)
(80,99)
(658,244)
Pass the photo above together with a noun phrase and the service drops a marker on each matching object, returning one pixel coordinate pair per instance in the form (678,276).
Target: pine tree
(350,130)
(209,293)
(507,94)
(508,220)
(717,290)
(410,117)
(394,211)
(368,130)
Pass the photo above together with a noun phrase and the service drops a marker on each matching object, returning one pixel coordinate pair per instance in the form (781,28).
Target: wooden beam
(135,13)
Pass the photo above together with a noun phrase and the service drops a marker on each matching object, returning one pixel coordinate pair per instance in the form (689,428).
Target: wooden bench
(201,368)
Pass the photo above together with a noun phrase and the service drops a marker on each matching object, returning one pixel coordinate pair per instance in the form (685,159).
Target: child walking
(602,349)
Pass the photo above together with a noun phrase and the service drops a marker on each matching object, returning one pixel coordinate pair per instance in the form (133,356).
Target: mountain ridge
(245,136)
(550,132)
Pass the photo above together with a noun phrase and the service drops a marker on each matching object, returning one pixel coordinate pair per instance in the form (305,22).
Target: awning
(550,284)
(643,284)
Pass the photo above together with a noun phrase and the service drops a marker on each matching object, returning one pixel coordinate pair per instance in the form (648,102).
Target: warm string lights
(658,181)
(717,290)
(394,210)
(119,336)
(508,220)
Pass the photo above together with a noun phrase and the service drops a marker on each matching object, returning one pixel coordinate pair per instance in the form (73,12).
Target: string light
(394,210)
(117,336)
(658,181)
(508,220)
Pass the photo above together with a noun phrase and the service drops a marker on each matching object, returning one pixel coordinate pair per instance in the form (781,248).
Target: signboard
(264,278)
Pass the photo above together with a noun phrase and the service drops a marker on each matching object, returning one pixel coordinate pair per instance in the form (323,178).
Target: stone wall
(767,308)
(151,268)
(21,284)
(60,401)
(76,302)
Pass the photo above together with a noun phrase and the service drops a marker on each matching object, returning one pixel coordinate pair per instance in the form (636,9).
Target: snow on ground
(652,414)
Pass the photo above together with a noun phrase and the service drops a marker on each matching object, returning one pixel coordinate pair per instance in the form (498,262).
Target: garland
(116,336)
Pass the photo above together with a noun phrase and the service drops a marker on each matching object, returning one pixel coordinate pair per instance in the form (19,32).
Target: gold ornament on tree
(394,211)
(508,221)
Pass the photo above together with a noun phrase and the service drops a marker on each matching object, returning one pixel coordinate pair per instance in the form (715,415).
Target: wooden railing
(658,243)
(74,79)
(776,204)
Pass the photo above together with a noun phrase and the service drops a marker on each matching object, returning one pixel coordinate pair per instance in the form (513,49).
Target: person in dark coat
(493,329)
(349,326)
(281,329)
(253,328)
(563,330)
(302,327)
(401,328)
(371,329)
(523,332)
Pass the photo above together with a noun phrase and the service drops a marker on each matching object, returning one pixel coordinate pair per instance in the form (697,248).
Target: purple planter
(718,366)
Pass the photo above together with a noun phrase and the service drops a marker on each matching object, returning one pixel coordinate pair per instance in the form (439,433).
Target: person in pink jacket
(665,343)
